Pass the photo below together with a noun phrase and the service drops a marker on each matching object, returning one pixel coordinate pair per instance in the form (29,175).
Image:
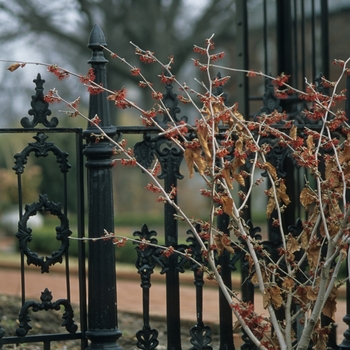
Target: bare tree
(58,31)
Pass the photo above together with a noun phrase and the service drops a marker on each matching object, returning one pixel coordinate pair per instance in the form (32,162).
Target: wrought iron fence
(98,319)
(40,128)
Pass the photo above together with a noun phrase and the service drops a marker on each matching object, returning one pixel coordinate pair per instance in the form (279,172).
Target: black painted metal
(147,338)
(102,330)
(345,344)
(200,333)
(242,56)
(225,314)
(42,148)
(170,159)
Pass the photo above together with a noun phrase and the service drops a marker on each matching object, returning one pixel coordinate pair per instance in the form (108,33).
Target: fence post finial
(102,332)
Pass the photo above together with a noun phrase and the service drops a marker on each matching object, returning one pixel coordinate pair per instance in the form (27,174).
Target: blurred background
(57,32)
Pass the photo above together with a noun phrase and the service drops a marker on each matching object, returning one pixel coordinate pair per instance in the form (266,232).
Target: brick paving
(129,293)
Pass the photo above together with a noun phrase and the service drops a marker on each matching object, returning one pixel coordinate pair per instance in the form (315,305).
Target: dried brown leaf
(330,173)
(223,242)
(250,262)
(281,196)
(307,197)
(226,242)
(330,307)
(273,294)
(271,169)
(239,144)
(304,239)
(312,252)
(192,158)
(218,107)
(310,143)
(254,279)
(226,173)
(311,293)
(238,116)
(199,161)
(293,132)
(344,155)
(266,274)
(227,204)
(236,326)
(334,213)
(276,297)
(271,205)
(292,244)
(282,193)
(202,134)
(288,284)
(188,155)
(239,178)
(219,246)
(321,342)
(266,299)
(300,296)
(13,67)
(237,162)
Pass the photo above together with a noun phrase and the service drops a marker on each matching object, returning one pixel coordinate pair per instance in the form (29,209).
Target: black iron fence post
(102,312)
(169,167)
(345,344)
(225,315)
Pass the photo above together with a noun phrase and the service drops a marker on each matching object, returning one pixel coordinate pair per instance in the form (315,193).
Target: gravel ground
(50,322)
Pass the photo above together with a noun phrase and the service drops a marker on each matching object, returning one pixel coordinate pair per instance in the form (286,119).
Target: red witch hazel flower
(281,79)
(120,242)
(199,49)
(157,95)
(95,89)
(217,56)
(51,97)
(135,71)
(89,77)
(147,57)
(150,114)
(60,73)
(95,120)
(220,81)
(153,188)
(129,162)
(119,98)
(166,79)
(168,251)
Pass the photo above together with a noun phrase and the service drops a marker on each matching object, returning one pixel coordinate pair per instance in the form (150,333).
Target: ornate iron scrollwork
(46,304)
(197,254)
(171,102)
(200,337)
(200,334)
(144,151)
(277,156)
(166,152)
(24,233)
(41,148)
(145,263)
(270,101)
(39,110)
(147,338)
(169,154)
